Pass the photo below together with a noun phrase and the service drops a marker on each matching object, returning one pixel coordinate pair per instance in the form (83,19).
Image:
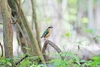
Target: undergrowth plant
(70,60)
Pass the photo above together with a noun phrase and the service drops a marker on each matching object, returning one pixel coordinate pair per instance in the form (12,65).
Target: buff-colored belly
(48,33)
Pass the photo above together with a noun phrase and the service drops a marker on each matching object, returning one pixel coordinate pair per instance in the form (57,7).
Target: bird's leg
(45,39)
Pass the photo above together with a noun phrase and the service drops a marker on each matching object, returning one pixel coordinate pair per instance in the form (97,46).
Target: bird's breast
(48,34)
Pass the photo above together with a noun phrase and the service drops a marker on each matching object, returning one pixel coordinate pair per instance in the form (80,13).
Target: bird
(47,32)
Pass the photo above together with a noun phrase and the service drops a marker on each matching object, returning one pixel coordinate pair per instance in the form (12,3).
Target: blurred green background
(75,23)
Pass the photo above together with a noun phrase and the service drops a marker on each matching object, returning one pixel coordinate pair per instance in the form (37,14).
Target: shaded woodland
(74,40)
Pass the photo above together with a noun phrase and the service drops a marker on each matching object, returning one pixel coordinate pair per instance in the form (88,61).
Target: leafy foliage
(4,62)
(74,61)
(70,60)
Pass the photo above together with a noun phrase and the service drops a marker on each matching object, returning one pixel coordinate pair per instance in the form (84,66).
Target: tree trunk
(7,30)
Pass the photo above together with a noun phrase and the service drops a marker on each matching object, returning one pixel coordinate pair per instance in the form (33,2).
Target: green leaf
(85,20)
(96,58)
(2,60)
(9,63)
(72,1)
(47,20)
(77,60)
(97,36)
(67,34)
(8,59)
(72,17)
(25,63)
(59,1)
(52,61)
(89,30)
(83,61)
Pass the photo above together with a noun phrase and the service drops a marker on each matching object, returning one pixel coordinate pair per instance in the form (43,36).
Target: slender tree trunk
(33,40)
(34,19)
(90,14)
(98,15)
(7,30)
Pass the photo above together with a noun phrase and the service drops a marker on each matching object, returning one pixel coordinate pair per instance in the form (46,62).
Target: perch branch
(51,44)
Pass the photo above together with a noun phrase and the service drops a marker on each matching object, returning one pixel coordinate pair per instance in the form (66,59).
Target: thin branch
(1,23)
(21,60)
(34,19)
(1,49)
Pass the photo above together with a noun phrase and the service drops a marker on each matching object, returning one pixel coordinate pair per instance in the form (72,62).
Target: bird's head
(50,27)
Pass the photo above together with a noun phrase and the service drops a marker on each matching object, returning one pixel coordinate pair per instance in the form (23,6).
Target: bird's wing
(45,33)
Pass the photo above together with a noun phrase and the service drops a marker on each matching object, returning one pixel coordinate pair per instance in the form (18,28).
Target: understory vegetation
(70,60)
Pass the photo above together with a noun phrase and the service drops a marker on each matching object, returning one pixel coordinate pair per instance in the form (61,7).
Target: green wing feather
(45,33)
